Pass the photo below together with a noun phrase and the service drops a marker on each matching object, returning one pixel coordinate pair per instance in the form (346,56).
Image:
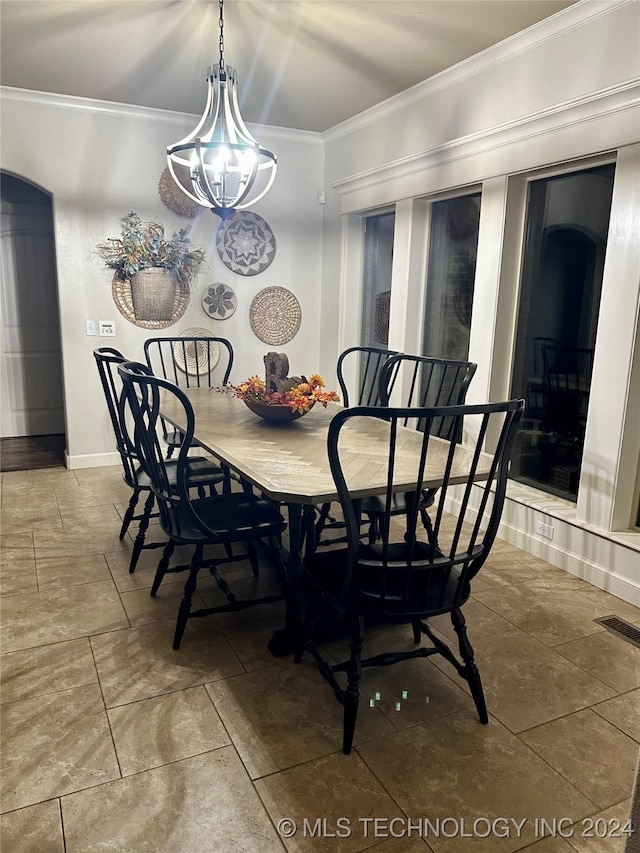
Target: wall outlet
(107,328)
(90,327)
(545,530)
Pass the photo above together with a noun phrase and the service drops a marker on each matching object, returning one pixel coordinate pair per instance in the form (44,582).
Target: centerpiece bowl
(276,413)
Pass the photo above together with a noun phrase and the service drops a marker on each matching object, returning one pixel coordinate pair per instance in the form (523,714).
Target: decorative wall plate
(275,315)
(245,243)
(219,301)
(193,357)
(121,292)
(171,194)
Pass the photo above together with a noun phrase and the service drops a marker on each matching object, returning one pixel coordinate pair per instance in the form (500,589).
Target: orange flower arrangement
(300,397)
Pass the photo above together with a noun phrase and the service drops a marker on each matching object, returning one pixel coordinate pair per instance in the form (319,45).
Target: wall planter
(153,293)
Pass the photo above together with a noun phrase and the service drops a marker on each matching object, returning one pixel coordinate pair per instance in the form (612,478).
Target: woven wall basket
(153,293)
(121,291)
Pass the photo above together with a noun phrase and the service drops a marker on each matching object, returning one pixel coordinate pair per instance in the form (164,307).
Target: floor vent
(626,630)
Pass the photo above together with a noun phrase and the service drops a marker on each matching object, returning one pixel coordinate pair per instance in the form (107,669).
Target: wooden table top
(289,461)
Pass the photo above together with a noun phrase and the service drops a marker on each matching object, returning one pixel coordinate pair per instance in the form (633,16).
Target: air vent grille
(626,630)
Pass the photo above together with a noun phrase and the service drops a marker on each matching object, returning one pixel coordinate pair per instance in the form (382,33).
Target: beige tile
(205,803)
(17,564)
(558,618)
(285,715)
(555,844)
(410,843)
(140,663)
(603,832)
(102,515)
(141,609)
(502,570)
(479,618)
(624,712)
(250,642)
(164,729)
(49,478)
(34,829)
(98,476)
(458,768)
(78,541)
(56,573)
(526,683)
(46,669)
(35,515)
(610,604)
(55,744)
(348,792)
(608,658)
(58,614)
(142,578)
(89,493)
(597,758)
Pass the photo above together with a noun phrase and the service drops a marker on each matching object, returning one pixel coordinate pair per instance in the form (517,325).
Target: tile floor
(111,741)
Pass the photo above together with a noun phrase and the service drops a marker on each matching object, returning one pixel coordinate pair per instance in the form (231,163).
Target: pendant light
(227,168)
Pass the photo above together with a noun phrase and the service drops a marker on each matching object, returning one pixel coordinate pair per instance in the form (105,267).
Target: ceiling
(306,64)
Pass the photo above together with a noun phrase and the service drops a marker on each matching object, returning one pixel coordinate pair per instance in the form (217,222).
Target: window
(378,260)
(566,236)
(453,246)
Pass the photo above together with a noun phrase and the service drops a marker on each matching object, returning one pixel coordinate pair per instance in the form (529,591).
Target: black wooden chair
(361,365)
(188,362)
(195,521)
(406,577)
(202,472)
(418,381)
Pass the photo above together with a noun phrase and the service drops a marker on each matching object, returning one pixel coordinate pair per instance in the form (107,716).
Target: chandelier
(221,164)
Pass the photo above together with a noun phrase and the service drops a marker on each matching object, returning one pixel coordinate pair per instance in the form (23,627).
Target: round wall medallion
(171,194)
(275,315)
(219,301)
(245,243)
(196,356)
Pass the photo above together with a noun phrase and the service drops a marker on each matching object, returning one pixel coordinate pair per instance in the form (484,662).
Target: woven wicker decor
(193,357)
(121,291)
(219,301)
(381,317)
(245,243)
(275,315)
(173,197)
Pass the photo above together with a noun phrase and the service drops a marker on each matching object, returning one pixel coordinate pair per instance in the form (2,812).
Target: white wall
(563,91)
(99,161)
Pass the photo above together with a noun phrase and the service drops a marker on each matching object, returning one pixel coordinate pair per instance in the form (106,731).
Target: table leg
(282,641)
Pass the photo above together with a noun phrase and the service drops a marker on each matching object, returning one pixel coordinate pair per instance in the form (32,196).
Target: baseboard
(91,460)
(596,572)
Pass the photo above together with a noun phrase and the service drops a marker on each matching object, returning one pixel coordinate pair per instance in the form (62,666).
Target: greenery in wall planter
(152,263)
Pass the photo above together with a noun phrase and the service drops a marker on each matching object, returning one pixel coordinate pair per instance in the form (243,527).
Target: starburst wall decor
(245,243)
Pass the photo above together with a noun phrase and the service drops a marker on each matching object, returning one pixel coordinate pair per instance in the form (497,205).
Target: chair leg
(163,565)
(471,670)
(417,633)
(352,693)
(142,531)
(189,588)
(126,521)
(253,559)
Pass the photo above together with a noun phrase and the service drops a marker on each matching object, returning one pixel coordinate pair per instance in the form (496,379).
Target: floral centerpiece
(286,404)
(153,263)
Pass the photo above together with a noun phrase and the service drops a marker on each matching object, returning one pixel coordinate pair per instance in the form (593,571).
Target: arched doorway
(31,393)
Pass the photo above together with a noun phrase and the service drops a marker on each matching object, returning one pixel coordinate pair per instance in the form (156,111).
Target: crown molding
(546,30)
(139,113)
(608,101)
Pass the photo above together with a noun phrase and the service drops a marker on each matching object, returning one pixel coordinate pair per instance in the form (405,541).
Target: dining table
(289,464)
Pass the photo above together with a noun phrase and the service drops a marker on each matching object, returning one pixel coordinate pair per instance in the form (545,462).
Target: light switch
(107,328)
(90,327)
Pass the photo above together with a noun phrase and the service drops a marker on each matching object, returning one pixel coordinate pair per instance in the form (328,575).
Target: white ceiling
(306,64)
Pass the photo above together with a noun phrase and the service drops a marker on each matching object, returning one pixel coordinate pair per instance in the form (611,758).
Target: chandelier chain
(221,25)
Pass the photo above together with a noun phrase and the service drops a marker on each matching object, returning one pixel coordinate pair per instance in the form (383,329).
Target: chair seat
(201,472)
(230,518)
(431,589)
